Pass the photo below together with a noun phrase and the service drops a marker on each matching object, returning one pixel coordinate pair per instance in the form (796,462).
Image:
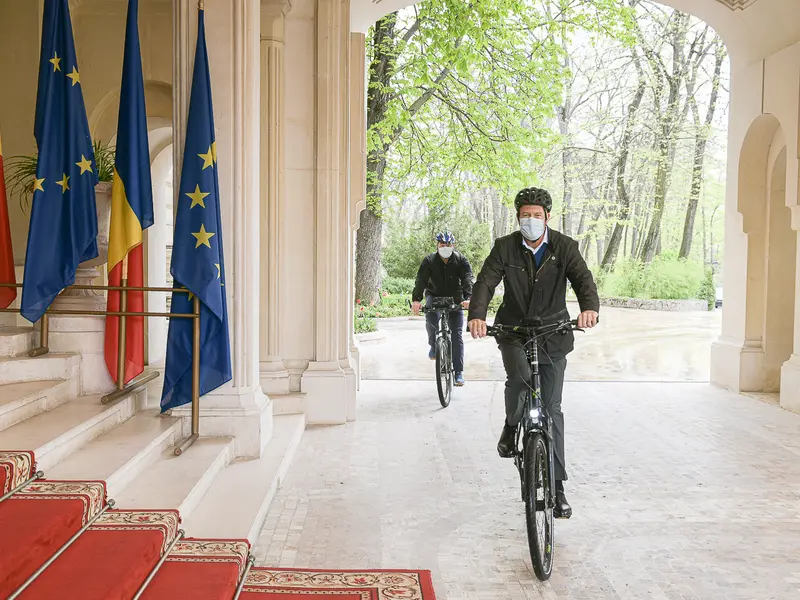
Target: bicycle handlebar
(533,332)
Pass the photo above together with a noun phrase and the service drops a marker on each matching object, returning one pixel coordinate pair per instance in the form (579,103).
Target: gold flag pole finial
(201,5)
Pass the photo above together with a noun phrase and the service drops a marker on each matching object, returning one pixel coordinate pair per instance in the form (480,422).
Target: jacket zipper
(544,263)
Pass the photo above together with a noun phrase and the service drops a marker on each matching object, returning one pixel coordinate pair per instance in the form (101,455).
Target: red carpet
(117,552)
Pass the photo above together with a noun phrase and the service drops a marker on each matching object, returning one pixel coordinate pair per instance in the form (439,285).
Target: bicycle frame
(535,418)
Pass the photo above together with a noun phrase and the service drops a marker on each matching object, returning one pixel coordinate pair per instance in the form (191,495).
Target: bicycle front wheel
(538,508)
(444,372)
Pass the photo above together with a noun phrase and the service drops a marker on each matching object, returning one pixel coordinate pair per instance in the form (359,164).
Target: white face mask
(445,252)
(532,229)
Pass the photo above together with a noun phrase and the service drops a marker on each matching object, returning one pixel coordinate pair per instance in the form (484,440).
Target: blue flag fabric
(63,226)
(197,258)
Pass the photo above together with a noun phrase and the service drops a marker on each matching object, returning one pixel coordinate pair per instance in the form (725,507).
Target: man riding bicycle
(445,273)
(535,264)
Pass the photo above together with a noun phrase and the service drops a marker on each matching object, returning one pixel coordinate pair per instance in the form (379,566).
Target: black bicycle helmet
(533,197)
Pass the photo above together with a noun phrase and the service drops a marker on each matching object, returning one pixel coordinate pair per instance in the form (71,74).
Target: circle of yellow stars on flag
(198,196)
(85,165)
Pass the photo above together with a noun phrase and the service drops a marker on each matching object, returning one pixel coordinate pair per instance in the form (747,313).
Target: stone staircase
(130,445)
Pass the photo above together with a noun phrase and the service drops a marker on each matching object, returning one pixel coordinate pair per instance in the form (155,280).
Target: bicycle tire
(538,515)
(444,372)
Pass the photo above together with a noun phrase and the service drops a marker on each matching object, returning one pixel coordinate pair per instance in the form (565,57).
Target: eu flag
(198,263)
(63,227)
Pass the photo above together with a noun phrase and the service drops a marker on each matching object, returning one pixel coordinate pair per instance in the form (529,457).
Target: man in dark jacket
(445,274)
(535,264)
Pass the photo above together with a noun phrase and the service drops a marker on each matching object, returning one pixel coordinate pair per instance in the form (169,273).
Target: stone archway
(769,296)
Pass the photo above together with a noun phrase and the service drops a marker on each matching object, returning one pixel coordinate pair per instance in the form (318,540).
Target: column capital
(273,19)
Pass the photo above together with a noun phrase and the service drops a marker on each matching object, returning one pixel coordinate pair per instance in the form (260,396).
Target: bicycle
(444,347)
(534,442)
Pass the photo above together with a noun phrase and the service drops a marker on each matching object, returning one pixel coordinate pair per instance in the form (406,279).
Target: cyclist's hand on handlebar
(465,304)
(415,306)
(477,328)
(587,319)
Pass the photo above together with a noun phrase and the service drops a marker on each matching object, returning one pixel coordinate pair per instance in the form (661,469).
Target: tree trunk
(701,139)
(564,115)
(669,123)
(623,214)
(370,233)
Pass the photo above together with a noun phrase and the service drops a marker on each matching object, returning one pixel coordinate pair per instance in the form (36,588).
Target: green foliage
(364,324)
(398,285)
(408,243)
(708,290)
(666,278)
(21,171)
(494,305)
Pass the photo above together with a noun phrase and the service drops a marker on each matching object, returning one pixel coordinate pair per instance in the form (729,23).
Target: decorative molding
(732,4)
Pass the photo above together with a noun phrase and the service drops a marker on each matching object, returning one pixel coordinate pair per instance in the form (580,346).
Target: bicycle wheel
(538,513)
(444,372)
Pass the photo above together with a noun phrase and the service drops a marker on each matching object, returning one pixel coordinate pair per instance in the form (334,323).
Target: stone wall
(668,305)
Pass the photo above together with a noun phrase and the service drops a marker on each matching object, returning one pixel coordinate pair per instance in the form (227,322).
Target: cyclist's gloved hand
(477,327)
(415,306)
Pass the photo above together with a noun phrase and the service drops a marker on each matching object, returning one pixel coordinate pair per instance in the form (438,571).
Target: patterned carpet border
(91,493)
(165,521)
(15,467)
(382,584)
(193,550)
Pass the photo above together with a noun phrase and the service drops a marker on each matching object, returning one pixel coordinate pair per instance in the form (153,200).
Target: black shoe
(506,447)
(562,509)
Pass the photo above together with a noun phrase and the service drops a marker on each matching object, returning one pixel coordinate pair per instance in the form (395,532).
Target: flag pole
(195,380)
(122,341)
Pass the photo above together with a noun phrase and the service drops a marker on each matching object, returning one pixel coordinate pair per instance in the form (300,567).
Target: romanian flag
(131,207)
(7,295)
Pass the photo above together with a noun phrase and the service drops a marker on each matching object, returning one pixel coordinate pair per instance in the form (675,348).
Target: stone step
(288,404)
(179,481)
(57,433)
(237,505)
(16,369)
(122,454)
(21,401)
(16,341)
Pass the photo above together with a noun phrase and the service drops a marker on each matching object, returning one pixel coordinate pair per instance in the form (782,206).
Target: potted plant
(20,175)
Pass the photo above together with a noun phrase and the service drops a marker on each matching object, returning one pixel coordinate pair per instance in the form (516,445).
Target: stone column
(238,409)
(790,373)
(327,385)
(358,174)
(273,373)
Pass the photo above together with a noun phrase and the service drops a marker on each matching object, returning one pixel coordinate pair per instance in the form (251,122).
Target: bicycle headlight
(535,414)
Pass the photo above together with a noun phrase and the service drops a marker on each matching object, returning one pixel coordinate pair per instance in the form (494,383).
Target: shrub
(666,278)
(364,324)
(398,285)
(708,290)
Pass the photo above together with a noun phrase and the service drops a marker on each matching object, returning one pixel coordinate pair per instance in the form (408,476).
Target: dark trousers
(456,335)
(518,382)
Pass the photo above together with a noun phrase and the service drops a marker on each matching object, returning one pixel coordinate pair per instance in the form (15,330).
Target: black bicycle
(445,374)
(534,455)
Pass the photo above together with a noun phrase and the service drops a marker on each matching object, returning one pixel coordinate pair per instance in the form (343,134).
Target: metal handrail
(122,391)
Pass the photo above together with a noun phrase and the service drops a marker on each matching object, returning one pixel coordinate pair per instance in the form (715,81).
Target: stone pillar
(328,385)
(790,373)
(238,409)
(358,173)
(273,373)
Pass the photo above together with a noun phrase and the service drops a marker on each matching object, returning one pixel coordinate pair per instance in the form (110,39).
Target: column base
(328,390)
(737,366)
(84,336)
(274,377)
(244,416)
(790,384)
(351,388)
(355,357)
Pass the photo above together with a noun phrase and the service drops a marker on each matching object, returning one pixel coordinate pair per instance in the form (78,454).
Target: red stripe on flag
(7,275)
(134,326)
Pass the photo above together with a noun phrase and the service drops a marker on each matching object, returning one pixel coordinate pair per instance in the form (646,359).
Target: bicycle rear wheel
(444,372)
(538,511)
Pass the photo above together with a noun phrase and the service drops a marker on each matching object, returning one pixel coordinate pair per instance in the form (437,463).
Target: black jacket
(531,292)
(439,279)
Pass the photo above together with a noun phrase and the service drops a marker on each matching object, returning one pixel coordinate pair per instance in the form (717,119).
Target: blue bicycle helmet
(445,237)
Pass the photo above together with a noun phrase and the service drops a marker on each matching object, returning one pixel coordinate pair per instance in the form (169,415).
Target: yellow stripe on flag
(125,231)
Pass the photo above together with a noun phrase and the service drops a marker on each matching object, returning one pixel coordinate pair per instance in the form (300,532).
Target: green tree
(460,96)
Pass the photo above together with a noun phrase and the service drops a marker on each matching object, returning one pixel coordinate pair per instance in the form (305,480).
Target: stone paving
(680,491)
(638,345)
